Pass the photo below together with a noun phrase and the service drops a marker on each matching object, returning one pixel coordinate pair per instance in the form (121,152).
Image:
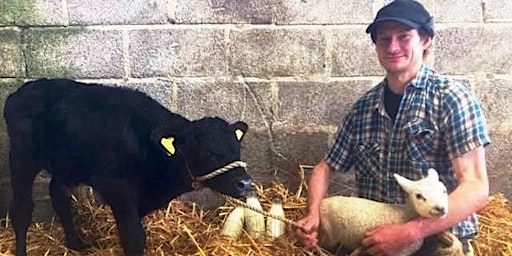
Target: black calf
(135,153)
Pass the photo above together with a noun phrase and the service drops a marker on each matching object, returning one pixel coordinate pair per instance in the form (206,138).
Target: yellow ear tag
(167,143)
(239,134)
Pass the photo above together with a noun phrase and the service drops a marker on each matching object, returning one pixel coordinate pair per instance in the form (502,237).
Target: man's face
(399,47)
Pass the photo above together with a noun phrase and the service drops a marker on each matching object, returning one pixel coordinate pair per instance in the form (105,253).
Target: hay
(184,229)
(181,229)
(495,228)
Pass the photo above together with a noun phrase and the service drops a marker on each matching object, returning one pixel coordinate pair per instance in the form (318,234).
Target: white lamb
(344,220)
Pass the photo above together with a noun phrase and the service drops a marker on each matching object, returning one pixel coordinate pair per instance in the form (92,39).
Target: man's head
(402,33)
(407,12)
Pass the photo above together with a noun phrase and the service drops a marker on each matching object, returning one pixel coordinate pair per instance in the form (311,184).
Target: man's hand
(388,240)
(308,234)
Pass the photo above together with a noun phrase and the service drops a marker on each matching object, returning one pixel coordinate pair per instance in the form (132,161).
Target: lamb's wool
(344,220)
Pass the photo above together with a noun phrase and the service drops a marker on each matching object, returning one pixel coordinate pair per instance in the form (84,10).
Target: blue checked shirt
(438,119)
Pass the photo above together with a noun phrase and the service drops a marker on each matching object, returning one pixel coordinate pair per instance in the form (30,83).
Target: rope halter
(196,183)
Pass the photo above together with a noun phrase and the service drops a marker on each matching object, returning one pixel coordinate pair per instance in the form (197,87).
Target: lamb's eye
(420,197)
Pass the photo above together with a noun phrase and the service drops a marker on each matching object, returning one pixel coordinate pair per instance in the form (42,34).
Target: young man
(413,120)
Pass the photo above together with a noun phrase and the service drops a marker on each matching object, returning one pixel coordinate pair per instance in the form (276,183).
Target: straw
(185,229)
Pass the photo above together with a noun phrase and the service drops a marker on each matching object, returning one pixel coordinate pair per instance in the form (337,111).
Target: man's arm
(470,196)
(317,189)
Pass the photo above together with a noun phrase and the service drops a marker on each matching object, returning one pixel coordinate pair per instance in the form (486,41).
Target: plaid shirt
(438,119)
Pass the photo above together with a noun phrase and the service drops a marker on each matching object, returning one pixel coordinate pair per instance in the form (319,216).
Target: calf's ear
(164,139)
(168,145)
(240,129)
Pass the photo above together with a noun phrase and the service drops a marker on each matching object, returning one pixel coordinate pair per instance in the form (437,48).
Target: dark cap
(407,12)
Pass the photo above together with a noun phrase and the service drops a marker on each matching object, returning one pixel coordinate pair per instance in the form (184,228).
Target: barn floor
(184,229)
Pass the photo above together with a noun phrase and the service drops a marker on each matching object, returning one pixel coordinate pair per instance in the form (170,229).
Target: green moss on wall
(45,52)
(11,56)
(18,12)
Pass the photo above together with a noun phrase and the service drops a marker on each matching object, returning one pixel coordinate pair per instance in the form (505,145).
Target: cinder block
(43,211)
(88,12)
(457,11)
(177,52)
(353,53)
(497,10)
(256,151)
(295,149)
(12,64)
(74,52)
(277,52)
(499,163)
(47,13)
(32,12)
(494,96)
(40,189)
(223,12)
(233,101)
(324,12)
(310,104)
(159,91)
(479,49)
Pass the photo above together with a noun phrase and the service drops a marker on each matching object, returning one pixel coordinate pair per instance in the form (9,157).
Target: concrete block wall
(290,68)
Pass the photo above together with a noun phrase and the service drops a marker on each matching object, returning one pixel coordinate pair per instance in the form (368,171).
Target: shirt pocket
(367,159)
(420,139)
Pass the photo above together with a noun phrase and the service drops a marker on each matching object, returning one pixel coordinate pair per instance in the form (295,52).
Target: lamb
(344,220)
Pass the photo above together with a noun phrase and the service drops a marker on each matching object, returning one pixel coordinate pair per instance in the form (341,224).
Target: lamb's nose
(440,209)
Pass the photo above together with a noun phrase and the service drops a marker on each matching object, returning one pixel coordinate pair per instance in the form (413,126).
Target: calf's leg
(59,193)
(22,175)
(122,199)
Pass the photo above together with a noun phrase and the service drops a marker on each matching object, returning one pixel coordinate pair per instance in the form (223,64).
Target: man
(413,120)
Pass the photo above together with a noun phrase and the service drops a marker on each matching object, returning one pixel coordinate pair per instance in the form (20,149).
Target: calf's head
(207,145)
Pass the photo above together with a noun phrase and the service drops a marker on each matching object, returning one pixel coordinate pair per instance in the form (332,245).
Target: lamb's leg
(359,251)
(61,203)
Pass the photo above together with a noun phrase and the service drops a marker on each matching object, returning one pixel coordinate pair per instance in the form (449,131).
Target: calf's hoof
(77,245)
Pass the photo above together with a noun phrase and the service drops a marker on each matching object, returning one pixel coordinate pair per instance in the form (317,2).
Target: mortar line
(227,50)
(65,9)
(328,56)
(126,54)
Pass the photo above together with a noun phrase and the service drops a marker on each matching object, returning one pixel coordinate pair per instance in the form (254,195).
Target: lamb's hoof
(360,251)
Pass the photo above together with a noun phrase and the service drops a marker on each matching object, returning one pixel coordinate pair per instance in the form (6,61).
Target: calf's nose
(244,184)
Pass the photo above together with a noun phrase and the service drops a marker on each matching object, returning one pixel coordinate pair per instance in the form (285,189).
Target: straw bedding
(184,229)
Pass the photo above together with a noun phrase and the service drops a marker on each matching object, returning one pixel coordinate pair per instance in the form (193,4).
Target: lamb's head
(428,196)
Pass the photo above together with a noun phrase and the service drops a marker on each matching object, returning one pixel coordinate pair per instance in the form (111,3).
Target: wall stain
(18,12)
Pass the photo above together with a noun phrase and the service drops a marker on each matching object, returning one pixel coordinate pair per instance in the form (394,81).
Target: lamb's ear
(406,184)
(432,174)
(240,129)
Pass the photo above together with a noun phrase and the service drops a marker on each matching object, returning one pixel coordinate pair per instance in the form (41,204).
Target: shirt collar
(420,82)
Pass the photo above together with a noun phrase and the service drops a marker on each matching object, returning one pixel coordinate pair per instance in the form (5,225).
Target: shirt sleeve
(465,127)
(340,156)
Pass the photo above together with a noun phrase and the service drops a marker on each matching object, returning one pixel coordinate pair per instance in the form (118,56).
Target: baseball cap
(408,12)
